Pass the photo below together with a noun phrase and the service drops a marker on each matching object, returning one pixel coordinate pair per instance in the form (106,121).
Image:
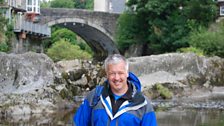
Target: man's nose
(117,76)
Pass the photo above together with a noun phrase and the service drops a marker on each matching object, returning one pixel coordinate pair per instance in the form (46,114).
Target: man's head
(116,67)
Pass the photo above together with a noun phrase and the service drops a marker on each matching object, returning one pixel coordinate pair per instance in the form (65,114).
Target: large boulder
(183,71)
(26,84)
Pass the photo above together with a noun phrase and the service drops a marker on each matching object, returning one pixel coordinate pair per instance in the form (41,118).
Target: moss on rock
(164,92)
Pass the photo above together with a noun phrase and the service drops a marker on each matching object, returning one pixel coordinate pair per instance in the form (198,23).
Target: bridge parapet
(103,19)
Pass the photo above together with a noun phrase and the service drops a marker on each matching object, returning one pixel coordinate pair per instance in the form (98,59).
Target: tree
(210,41)
(84,4)
(165,24)
(127,32)
(62,4)
(45,4)
(6,33)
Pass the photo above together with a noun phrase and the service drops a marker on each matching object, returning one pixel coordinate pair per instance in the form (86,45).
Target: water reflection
(191,118)
(168,118)
(62,118)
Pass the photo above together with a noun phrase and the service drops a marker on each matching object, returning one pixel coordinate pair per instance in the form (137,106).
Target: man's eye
(111,73)
(121,73)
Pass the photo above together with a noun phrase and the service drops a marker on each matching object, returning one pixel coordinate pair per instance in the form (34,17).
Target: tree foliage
(127,32)
(62,4)
(64,33)
(165,24)
(68,36)
(79,4)
(84,4)
(45,4)
(63,50)
(6,33)
(211,42)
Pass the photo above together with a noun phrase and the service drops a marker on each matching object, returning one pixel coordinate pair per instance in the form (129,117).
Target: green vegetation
(68,36)
(63,50)
(84,4)
(163,91)
(6,32)
(64,33)
(197,51)
(79,4)
(45,4)
(127,33)
(62,4)
(211,42)
(59,33)
(164,26)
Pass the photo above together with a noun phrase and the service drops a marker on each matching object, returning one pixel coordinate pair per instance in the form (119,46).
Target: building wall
(117,6)
(221,8)
(113,6)
(100,5)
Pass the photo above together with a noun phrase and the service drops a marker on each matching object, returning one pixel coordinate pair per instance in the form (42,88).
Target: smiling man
(118,102)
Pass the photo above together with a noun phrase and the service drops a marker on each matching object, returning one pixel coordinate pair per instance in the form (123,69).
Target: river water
(188,117)
(191,118)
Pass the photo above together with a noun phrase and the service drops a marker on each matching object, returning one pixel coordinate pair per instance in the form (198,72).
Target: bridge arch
(81,21)
(96,28)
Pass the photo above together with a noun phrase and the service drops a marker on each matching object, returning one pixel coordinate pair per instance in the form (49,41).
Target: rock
(32,83)
(178,71)
(79,75)
(25,72)
(25,84)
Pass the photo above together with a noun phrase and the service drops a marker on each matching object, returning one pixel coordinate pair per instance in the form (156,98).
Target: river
(185,117)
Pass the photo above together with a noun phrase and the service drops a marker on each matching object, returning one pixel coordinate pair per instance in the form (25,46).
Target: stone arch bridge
(96,28)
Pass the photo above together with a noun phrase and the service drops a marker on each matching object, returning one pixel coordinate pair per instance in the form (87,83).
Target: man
(120,101)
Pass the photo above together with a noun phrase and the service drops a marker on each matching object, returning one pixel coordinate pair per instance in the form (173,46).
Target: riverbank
(32,83)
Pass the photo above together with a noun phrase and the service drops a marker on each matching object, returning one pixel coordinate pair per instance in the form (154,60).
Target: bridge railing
(20,24)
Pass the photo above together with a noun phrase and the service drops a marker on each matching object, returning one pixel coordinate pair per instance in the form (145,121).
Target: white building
(113,6)
(33,6)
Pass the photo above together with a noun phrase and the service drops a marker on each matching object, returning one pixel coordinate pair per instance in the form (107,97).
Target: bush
(3,47)
(63,50)
(211,42)
(6,33)
(64,33)
(199,52)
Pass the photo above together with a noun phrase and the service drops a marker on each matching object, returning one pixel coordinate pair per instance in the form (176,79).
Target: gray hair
(114,59)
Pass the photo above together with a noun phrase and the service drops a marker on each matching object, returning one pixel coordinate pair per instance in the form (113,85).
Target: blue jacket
(135,112)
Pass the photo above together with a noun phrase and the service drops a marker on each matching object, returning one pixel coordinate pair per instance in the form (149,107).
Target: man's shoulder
(149,106)
(94,94)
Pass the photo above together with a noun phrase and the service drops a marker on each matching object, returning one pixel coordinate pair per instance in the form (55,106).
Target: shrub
(197,51)
(63,50)
(6,33)
(64,33)
(3,47)
(211,42)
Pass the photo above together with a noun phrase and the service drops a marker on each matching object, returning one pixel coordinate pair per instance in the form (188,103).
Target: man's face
(117,77)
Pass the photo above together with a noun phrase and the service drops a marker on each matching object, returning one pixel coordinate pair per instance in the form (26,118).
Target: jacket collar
(133,95)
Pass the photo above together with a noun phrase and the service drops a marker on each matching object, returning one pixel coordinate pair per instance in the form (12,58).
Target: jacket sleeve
(83,114)
(149,119)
